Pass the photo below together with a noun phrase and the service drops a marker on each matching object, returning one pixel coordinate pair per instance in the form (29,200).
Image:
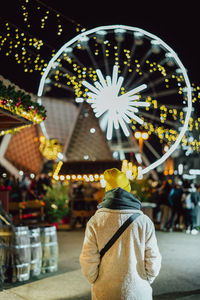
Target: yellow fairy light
(49,148)
(57,170)
(129,169)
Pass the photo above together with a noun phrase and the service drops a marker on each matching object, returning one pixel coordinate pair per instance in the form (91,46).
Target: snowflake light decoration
(119,109)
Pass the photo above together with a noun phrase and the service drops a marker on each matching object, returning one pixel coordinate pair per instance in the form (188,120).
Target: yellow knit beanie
(115,178)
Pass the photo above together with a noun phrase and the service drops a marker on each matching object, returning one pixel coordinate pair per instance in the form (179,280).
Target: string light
(23,47)
(129,169)
(57,170)
(76,177)
(26,50)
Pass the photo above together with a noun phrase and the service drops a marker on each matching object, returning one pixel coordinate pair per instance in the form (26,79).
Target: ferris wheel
(132,80)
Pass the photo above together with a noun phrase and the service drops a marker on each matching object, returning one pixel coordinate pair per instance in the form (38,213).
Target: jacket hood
(119,198)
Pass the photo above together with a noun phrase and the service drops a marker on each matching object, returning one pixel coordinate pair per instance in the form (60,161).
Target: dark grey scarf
(119,198)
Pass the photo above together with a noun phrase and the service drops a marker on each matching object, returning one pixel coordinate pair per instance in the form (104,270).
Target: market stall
(18,109)
(24,254)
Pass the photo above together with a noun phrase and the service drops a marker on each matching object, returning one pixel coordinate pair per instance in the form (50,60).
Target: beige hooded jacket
(130,265)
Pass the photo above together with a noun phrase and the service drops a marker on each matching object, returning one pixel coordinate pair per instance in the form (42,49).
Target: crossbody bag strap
(118,233)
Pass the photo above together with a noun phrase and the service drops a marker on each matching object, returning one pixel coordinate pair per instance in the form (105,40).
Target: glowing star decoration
(119,109)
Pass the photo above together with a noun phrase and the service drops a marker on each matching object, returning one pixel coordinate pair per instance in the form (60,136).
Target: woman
(129,267)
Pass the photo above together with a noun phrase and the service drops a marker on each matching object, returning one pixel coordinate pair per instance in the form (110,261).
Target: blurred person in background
(191,206)
(195,198)
(176,205)
(24,185)
(163,195)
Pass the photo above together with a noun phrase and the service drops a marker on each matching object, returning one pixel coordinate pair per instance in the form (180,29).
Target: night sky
(178,26)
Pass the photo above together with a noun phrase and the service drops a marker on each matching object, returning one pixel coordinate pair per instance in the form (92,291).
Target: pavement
(179,277)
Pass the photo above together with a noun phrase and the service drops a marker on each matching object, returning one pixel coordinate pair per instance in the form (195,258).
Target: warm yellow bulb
(137,134)
(145,135)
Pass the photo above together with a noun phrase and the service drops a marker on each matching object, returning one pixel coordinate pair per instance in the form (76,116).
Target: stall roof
(88,167)
(23,150)
(10,120)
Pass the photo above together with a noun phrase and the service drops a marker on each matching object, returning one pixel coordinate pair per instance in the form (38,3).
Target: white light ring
(159,41)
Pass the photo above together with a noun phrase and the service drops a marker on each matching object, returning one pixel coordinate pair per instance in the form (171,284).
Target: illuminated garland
(19,103)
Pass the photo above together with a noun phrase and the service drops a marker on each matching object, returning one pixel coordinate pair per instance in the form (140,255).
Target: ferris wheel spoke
(144,157)
(125,70)
(95,65)
(118,48)
(154,83)
(75,59)
(169,62)
(64,71)
(163,137)
(151,83)
(170,106)
(61,85)
(119,138)
(131,79)
(144,58)
(156,118)
(140,80)
(161,93)
(152,149)
(105,59)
